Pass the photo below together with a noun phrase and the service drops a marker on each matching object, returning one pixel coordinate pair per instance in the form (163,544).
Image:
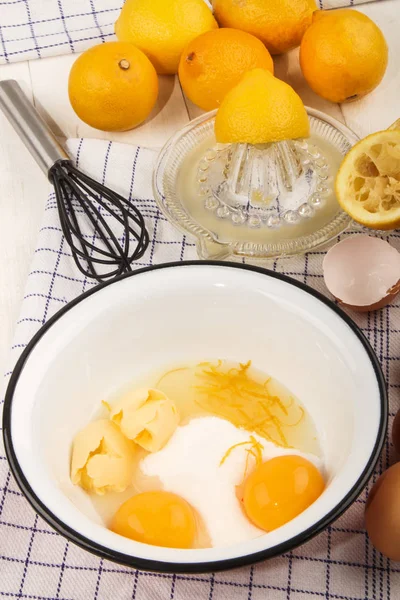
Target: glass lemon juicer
(256,201)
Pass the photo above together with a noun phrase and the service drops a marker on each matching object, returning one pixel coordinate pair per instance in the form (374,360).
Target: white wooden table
(24,188)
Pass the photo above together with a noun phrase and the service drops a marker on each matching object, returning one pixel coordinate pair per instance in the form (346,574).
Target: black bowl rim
(199,567)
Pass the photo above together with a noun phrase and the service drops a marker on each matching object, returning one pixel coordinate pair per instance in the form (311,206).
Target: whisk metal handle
(30,126)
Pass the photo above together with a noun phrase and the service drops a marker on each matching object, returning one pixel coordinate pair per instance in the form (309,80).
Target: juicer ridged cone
(265,185)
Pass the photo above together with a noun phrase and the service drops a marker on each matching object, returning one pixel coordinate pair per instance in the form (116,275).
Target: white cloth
(39,28)
(37,563)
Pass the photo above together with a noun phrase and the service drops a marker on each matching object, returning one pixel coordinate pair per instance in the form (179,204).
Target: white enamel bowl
(188,311)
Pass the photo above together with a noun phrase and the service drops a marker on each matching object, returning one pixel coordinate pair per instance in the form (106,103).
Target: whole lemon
(162,28)
(113,86)
(279,24)
(343,55)
(213,63)
(261,109)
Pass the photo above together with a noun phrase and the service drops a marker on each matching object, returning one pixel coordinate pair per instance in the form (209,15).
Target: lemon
(368,181)
(261,109)
(162,28)
(113,86)
(279,24)
(343,55)
(215,61)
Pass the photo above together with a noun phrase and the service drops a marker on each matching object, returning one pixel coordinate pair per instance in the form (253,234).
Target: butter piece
(102,458)
(146,416)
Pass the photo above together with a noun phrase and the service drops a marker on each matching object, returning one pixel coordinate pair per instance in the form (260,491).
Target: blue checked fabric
(36,563)
(38,28)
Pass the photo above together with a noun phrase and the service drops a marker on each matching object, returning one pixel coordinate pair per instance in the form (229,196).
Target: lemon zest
(170,373)
(230,450)
(234,395)
(254,451)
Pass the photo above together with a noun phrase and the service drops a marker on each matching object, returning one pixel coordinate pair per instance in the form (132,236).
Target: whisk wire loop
(77,193)
(92,215)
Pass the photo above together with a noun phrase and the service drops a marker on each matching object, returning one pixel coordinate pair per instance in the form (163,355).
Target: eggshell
(362,272)
(382,513)
(396,432)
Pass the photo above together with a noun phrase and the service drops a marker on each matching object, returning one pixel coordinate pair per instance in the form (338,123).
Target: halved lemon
(368,181)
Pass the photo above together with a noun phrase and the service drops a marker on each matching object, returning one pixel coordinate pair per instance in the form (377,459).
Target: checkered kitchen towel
(38,564)
(38,28)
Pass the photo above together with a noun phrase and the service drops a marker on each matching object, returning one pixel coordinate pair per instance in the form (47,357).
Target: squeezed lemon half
(368,181)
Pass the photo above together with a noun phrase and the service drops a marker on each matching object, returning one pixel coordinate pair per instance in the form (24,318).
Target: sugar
(190,466)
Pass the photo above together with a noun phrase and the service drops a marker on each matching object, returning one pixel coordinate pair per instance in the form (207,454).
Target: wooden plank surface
(23,188)
(168,115)
(381,108)
(23,191)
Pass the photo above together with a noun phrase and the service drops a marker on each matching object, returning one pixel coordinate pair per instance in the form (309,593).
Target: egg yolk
(280,489)
(158,518)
